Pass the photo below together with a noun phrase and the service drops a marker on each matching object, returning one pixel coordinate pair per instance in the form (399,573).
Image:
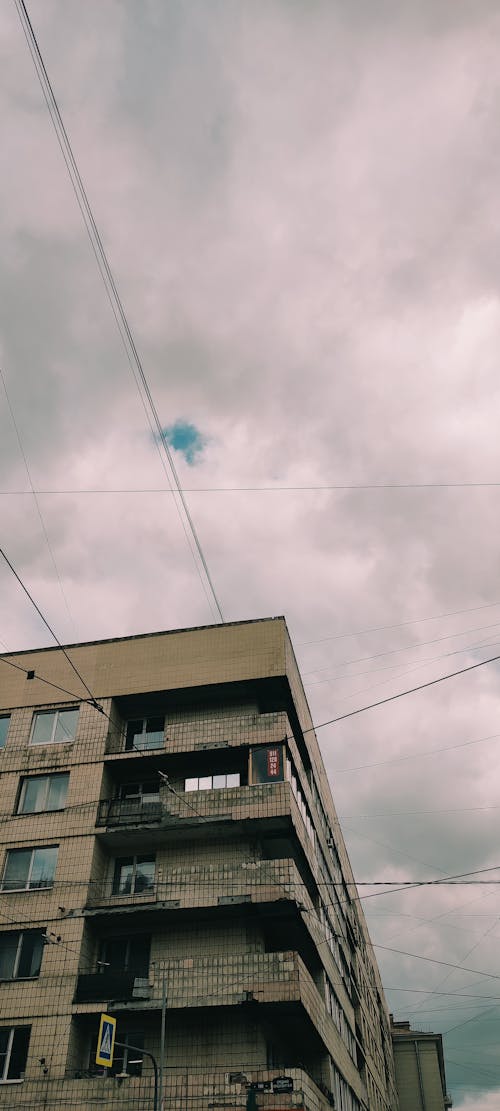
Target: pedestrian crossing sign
(106,1041)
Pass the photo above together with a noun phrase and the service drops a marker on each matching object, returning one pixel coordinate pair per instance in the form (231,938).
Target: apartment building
(171,856)
(420,1071)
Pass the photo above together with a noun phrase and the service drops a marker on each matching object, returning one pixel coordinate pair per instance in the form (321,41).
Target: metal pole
(162,1040)
(145,1053)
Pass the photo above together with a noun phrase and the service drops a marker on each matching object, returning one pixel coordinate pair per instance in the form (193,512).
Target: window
(145,733)
(212,782)
(14,1042)
(43,792)
(20,954)
(54,726)
(4,729)
(29,869)
(125,953)
(149,791)
(133,875)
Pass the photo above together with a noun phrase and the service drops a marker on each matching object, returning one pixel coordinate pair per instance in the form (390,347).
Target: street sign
(106,1041)
(283,1084)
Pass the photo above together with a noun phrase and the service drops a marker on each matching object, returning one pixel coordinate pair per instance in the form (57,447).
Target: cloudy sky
(300,205)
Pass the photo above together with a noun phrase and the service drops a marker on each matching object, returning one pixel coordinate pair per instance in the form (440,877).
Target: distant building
(420,1074)
(172,857)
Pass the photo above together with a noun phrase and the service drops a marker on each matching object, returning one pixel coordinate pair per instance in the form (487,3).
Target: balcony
(196,886)
(207,733)
(200,982)
(101,987)
(128,812)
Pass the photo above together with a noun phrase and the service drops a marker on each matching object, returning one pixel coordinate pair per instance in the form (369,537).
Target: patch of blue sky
(187,439)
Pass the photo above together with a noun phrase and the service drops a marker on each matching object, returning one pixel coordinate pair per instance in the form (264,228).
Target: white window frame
(17,958)
(26,887)
(138,746)
(5,717)
(133,892)
(210,786)
(55,713)
(43,809)
(4,1079)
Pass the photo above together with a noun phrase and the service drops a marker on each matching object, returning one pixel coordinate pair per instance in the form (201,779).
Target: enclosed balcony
(129,811)
(96,987)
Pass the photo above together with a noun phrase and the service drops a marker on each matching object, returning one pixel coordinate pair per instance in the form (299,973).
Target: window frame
(105,965)
(135,858)
(3,742)
(21,935)
(48,776)
(211,787)
(12,1030)
(131,746)
(56,713)
(39,887)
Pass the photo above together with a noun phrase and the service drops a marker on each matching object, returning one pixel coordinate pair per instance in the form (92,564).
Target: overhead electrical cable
(398,625)
(270,489)
(395,651)
(93,701)
(401,694)
(37,503)
(118,310)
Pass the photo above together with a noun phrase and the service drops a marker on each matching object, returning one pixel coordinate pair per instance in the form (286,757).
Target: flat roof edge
(145,636)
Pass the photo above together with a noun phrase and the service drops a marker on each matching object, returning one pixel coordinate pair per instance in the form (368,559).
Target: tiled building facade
(171,856)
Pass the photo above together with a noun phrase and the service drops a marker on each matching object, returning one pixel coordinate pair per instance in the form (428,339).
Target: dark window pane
(30,957)
(122,880)
(4,728)
(154,732)
(19,1052)
(145,874)
(134,732)
(138,958)
(9,943)
(5,1032)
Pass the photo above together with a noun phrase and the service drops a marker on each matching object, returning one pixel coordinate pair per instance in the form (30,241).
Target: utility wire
(93,701)
(394,652)
(398,625)
(113,295)
(274,489)
(401,694)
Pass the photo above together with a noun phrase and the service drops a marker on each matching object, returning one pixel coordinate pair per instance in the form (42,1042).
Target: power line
(398,625)
(273,489)
(93,701)
(401,694)
(396,651)
(118,310)
(418,755)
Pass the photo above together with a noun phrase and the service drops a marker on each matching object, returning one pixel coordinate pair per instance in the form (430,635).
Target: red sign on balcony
(273,763)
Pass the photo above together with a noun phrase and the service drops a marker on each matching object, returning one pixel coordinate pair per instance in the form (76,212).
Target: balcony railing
(125,812)
(210,732)
(198,885)
(104,986)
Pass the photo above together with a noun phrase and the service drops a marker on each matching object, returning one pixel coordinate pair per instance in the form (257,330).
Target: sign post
(106,1041)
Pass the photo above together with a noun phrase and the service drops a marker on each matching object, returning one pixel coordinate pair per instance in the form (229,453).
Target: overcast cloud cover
(300,203)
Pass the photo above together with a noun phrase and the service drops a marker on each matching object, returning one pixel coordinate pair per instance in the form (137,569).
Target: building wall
(255,925)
